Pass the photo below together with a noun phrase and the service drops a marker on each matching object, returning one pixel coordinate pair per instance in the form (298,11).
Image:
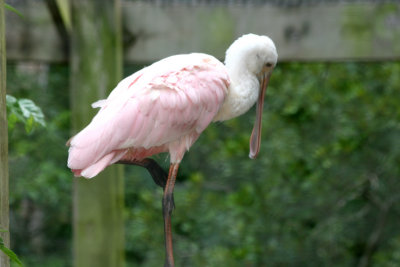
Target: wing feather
(173,98)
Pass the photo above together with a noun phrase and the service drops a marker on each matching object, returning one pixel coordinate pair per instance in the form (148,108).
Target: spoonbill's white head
(255,53)
(250,61)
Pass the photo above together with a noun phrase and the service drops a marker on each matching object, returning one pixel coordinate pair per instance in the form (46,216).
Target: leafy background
(324,191)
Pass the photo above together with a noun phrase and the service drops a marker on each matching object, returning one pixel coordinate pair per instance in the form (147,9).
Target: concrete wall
(321,32)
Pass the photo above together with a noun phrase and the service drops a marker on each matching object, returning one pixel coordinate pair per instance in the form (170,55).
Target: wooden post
(96,68)
(4,220)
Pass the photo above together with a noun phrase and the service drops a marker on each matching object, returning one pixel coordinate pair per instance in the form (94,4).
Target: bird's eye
(268,65)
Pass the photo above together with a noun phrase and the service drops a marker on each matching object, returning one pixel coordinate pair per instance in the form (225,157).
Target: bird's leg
(167,183)
(158,174)
(168,206)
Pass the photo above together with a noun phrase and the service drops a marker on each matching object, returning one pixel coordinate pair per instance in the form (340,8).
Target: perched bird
(166,106)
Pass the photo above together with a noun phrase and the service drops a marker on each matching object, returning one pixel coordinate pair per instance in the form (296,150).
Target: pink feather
(161,108)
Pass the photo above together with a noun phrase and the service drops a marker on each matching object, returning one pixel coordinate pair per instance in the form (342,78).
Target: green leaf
(24,111)
(29,125)
(10,100)
(10,253)
(13,10)
(13,111)
(29,109)
(12,121)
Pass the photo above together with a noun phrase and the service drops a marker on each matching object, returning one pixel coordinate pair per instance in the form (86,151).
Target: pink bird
(167,105)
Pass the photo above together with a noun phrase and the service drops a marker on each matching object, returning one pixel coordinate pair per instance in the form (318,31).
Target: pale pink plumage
(161,108)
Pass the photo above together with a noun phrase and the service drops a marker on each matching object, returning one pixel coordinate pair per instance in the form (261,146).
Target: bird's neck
(242,94)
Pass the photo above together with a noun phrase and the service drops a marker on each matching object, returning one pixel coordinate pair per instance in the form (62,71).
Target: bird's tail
(95,168)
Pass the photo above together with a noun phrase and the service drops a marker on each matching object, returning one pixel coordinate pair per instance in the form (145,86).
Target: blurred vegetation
(324,191)
(40,184)
(13,257)
(23,111)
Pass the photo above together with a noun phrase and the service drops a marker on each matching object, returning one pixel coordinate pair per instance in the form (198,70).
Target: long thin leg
(157,173)
(168,205)
(167,183)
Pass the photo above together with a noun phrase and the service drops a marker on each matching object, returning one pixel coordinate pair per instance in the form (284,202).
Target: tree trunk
(96,67)
(4,220)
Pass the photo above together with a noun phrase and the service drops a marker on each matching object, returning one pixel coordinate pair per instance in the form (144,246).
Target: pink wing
(163,107)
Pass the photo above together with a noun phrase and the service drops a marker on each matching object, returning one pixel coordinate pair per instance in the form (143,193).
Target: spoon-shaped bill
(255,138)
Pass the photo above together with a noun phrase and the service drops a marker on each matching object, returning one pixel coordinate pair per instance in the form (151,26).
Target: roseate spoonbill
(167,105)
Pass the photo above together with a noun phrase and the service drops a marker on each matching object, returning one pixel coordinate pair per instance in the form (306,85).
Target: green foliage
(8,251)
(40,183)
(24,111)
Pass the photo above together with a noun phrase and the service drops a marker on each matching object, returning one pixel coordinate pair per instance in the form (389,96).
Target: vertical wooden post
(4,220)
(96,67)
